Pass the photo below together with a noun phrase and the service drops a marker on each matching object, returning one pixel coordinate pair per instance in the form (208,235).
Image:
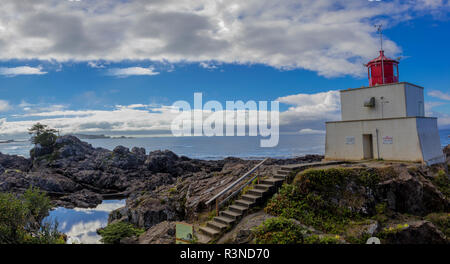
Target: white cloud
(85,232)
(331,37)
(439,94)
(4,106)
(125,72)
(22,70)
(208,66)
(117,119)
(310,110)
(96,65)
(151,118)
(309,131)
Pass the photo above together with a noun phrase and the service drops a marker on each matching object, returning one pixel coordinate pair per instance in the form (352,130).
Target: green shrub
(310,209)
(316,239)
(442,182)
(21,219)
(441,221)
(279,230)
(37,203)
(47,234)
(113,233)
(13,219)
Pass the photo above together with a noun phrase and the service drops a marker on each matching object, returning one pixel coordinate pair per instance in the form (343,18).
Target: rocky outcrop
(243,233)
(162,233)
(184,196)
(147,211)
(409,192)
(14,162)
(417,232)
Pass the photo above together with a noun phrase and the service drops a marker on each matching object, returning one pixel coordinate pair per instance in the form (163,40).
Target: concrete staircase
(253,197)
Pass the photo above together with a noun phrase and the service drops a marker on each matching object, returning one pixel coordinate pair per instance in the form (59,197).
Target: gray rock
(417,232)
(162,233)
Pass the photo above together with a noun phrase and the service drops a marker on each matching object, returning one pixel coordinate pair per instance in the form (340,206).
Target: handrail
(237,191)
(235,182)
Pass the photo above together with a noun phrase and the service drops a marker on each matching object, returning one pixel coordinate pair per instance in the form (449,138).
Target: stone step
(263,186)
(283,172)
(224,220)
(238,208)
(280,176)
(257,192)
(230,214)
(250,197)
(273,181)
(217,225)
(209,231)
(245,203)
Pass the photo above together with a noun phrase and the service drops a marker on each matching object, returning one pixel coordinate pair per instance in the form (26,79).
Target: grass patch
(279,230)
(442,182)
(441,221)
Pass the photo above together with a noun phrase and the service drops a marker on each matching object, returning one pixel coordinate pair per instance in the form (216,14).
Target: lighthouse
(384,120)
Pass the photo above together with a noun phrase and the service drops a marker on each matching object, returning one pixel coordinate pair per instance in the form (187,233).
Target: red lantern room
(382,70)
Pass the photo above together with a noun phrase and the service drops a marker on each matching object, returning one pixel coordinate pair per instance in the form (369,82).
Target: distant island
(101,136)
(6,141)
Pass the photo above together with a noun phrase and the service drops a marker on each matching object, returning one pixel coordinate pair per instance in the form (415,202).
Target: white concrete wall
(429,140)
(414,100)
(403,131)
(352,102)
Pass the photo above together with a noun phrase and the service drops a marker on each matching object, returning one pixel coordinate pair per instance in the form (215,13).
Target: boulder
(14,162)
(411,193)
(162,233)
(147,211)
(416,232)
(70,147)
(162,161)
(122,158)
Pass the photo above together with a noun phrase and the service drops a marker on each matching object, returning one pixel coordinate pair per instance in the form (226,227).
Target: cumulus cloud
(126,72)
(96,65)
(310,110)
(439,94)
(22,70)
(306,111)
(331,37)
(117,119)
(208,66)
(4,106)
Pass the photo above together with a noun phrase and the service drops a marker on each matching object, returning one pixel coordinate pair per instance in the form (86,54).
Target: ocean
(211,148)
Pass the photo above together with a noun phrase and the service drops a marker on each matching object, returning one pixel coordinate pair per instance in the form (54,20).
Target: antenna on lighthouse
(380,31)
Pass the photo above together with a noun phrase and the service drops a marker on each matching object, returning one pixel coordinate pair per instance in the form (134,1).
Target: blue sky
(82,64)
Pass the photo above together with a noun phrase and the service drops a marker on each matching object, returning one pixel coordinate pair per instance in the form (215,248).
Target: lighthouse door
(367,146)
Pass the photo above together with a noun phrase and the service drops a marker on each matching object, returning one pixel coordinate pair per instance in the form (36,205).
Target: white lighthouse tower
(385,120)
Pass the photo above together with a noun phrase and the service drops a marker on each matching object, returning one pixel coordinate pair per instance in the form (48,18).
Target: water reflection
(80,224)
